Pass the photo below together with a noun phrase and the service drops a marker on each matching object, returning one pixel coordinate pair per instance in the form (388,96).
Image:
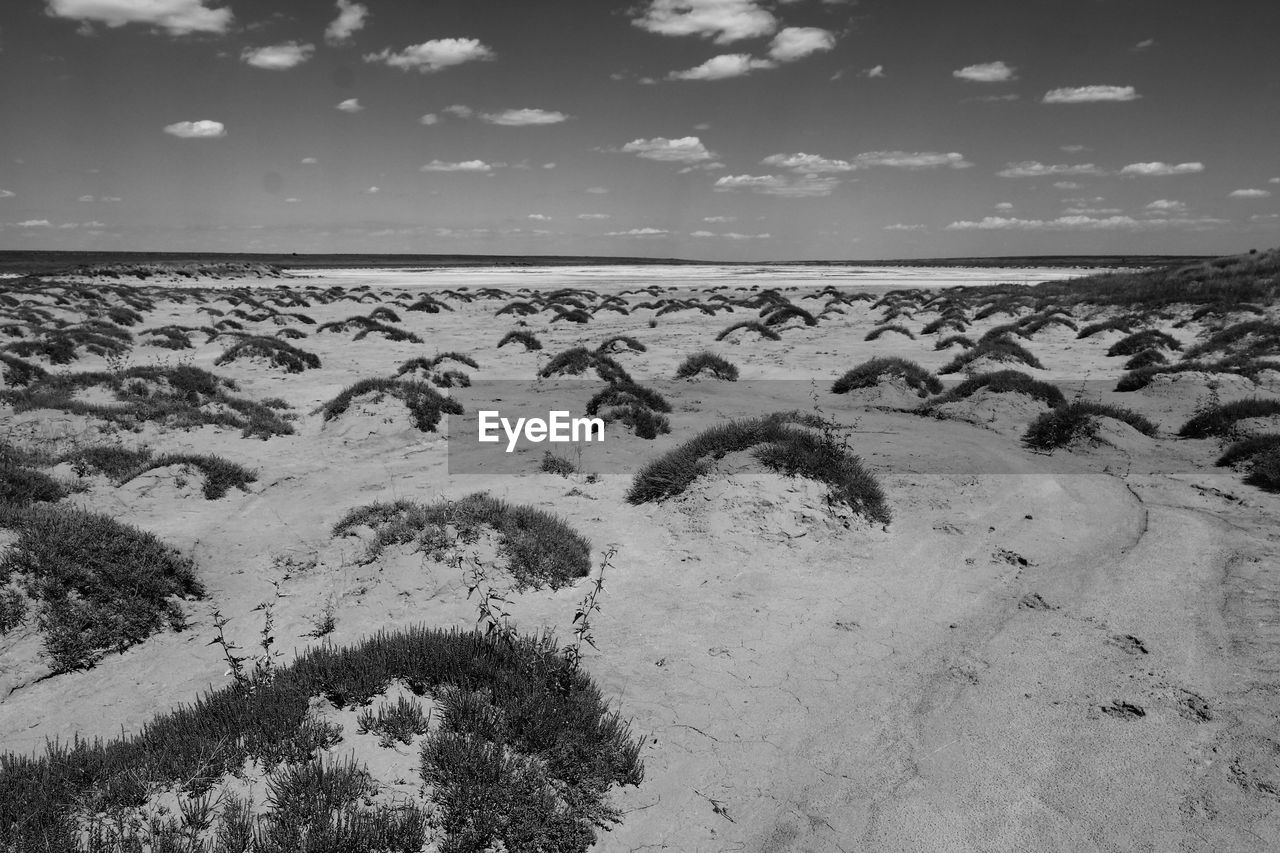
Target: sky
(709,129)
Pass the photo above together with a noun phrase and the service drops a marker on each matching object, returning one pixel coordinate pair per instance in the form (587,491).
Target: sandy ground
(1073,652)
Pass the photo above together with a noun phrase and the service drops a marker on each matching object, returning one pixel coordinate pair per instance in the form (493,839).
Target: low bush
(750,326)
(870,373)
(1250,339)
(1145,358)
(279,353)
(519,336)
(996,349)
(1246,449)
(1078,421)
(425,404)
(1144,340)
(954,340)
(880,330)
(1264,471)
(1000,382)
(113,460)
(1141,377)
(578,360)
(782,445)
(20,485)
(1221,420)
(1115,324)
(17,372)
(621,343)
(696,364)
(782,313)
(552,464)
(219,474)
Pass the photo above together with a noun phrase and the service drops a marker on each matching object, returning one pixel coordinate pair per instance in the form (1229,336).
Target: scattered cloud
(723,67)
(176,17)
(1090,94)
(34,223)
(203,129)
(524,117)
(7,193)
(1145,44)
(309,161)
(995,99)
(1066,185)
(1165,205)
(687,149)
(986,72)
(463,166)
(108,199)
(1158,169)
(1074,149)
(429,118)
(730,235)
(1004,205)
(373,191)
(350,105)
(794,43)
(459,110)
(719,219)
(1273,180)
(811,164)
(278,57)
(722,21)
(350,20)
(874,71)
(1080,222)
(1036,169)
(1249,193)
(594,216)
(597,190)
(433,55)
(901,227)
(639,232)
(798,186)
(912,159)
(539,217)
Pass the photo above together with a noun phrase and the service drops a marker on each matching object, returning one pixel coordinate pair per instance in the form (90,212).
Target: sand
(1069,652)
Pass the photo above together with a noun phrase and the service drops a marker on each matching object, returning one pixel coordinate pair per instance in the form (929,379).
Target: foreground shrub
(1144,340)
(219,474)
(1264,472)
(870,373)
(781,445)
(1141,377)
(100,585)
(892,327)
(750,326)
(1001,382)
(425,404)
(997,349)
(279,353)
(1221,420)
(538,547)
(698,363)
(578,360)
(1246,449)
(1078,421)
(518,336)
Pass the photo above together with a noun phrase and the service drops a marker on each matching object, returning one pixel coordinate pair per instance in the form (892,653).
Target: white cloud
(350,20)
(687,149)
(524,117)
(1066,185)
(203,129)
(309,161)
(594,216)
(722,67)
(800,186)
(1089,94)
(459,110)
(464,166)
(1004,205)
(874,71)
(986,72)
(433,55)
(1036,169)
(429,118)
(350,105)
(597,190)
(723,21)
(177,17)
(86,198)
(1158,169)
(719,219)
(900,227)
(639,232)
(278,57)
(539,217)
(807,163)
(7,193)
(912,159)
(731,235)
(373,191)
(792,43)
(1273,180)
(1165,205)
(1080,222)
(1250,193)
(291,200)
(34,223)
(1145,44)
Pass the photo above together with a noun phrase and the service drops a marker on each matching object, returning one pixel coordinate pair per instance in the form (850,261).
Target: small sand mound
(377,415)
(171,482)
(1256,426)
(889,393)
(988,364)
(1121,436)
(1007,412)
(1192,384)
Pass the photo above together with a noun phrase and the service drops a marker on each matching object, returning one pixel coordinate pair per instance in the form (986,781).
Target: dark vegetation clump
(1001,349)
(1250,339)
(1078,421)
(705,361)
(750,326)
(520,336)
(113,460)
(1144,340)
(368,325)
(425,404)
(169,337)
(1221,420)
(576,361)
(97,585)
(539,548)
(16,372)
(1146,358)
(1246,449)
(641,409)
(870,373)
(279,353)
(782,313)
(1264,470)
(429,305)
(552,464)
(782,444)
(219,474)
(1000,382)
(953,340)
(621,343)
(21,485)
(1141,377)
(880,330)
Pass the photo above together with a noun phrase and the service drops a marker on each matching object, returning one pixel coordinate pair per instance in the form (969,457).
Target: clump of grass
(870,373)
(394,722)
(705,361)
(781,445)
(621,343)
(1221,420)
(425,404)
(1249,368)
(368,325)
(21,485)
(279,353)
(778,315)
(520,336)
(1117,324)
(169,337)
(1078,421)
(750,326)
(953,340)
(572,315)
(100,585)
(627,394)
(892,327)
(1250,339)
(552,464)
(1246,449)
(430,305)
(17,372)
(1144,340)
(539,548)
(578,360)
(1000,382)
(1264,471)
(219,474)
(113,460)
(518,307)
(1145,358)
(997,349)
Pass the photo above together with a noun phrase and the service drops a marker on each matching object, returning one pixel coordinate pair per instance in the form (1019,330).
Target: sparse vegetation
(1221,420)
(750,326)
(1000,382)
(705,361)
(1147,339)
(520,336)
(425,404)
(279,353)
(219,474)
(1000,349)
(892,327)
(1078,421)
(870,373)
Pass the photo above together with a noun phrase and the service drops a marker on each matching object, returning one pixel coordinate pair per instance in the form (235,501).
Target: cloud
(900,227)
(986,72)
(1273,180)
(912,159)
(350,20)
(723,21)
(723,67)
(800,186)
(807,163)
(539,217)
(203,129)
(1004,205)
(1158,169)
(594,216)
(874,71)
(350,105)
(464,166)
(1145,44)
(597,190)
(687,149)
(793,43)
(309,161)
(1165,205)
(1249,193)
(719,219)
(373,191)
(433,55)
(1066,185)
(1036,169)
(177,17)
(278,57)
(7,193)
(459,110)
(731,235)
(524,117)
(429,118)
(34,223)
(1089,94)
(1080,222)
(639,232)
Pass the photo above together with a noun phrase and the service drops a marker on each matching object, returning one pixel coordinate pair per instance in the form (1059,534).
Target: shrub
(618,343)
(1144,340)
(783,446)
(521,337)
(1145,358)
(1264,472)
(750,326)
(573,315)
(578,360)
(1221,420)
(996,349)
(219,474)
(1078,420)
(1001,382)
(429,305)
(20,485)
(1250,368)
(1246,448)
(694,365)
(398,721)
(115,461)
(1119,324)
(870,373)
(552,464)
(280,353)
(425,404)
(19,372)
(782,313)
(880,330)
(945,343)
(1250,339)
